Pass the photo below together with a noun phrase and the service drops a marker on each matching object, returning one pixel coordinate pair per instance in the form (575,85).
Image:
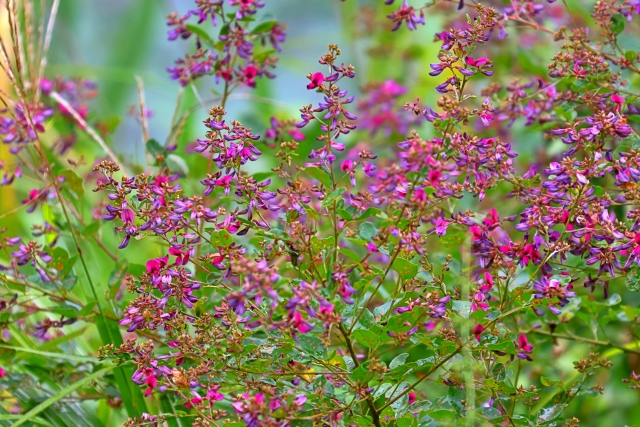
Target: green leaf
(369,213)
(490,413)
(452,239)
(66,311)
(345,214)
(368,231)
(61,262)
(330,198)
(381,310)
(366,338)
(221,238)
(88,309)
(72,182)
(70,281)
(548,382)
(361,374)
(398,360)
(313,346)
(155,148)
(633,279)
(62,394)
(598,191)
(547,414)
(261,176)
(614,299)
(617,24)
(463,308)
(404,268)
(320,174)
(407,421)
(91,229)
(263,27)
(204,36)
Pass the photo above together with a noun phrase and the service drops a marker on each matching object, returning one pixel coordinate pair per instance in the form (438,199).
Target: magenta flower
(316,80)
(524,348)
(300,324)
(155,265)
(477,331)
(412,397)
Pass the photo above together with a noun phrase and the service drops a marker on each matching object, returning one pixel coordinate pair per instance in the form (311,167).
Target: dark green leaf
(155,148)
(617,23)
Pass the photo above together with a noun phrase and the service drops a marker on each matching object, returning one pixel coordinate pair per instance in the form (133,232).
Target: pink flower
(476,62)
(486,117)
(300,324)
(213,395)
(492,219)
(326,309)
(182,257)
(412,397)
(477,330)
(155,265)
(476,232)
(617,99)
(488,283)
(316,80)
(479,301)
(127,216)
(152,382)
(194,400)
(250,74)
(524,348)
(441,226)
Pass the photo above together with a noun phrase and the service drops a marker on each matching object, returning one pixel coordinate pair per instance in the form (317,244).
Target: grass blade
(52,355)
(33,420)
(29,416)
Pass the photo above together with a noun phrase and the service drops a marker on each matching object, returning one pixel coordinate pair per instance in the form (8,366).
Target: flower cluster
(233,58)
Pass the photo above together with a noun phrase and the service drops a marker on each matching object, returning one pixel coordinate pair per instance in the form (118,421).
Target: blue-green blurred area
(113,42)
